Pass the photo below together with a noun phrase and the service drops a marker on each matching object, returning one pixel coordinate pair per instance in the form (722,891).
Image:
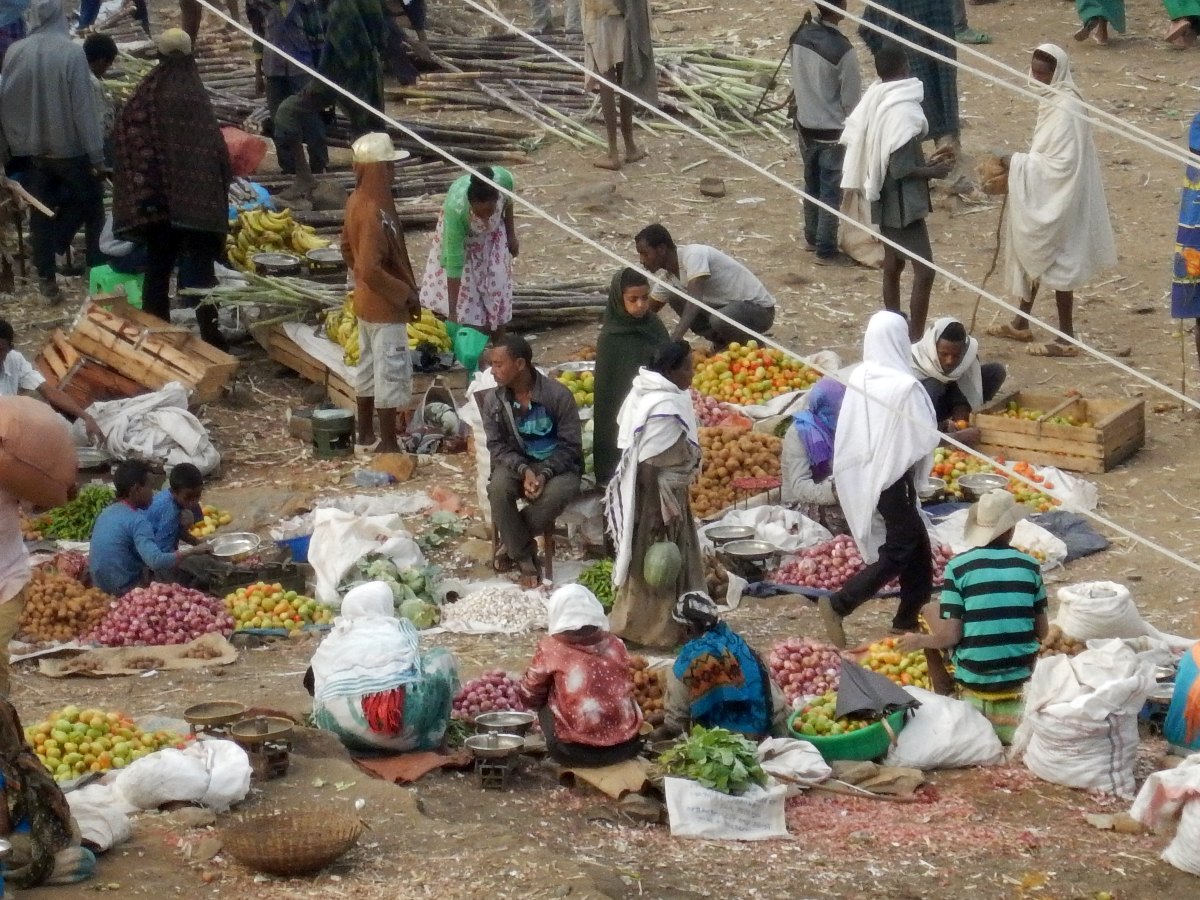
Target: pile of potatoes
(59,608)
(1057,642)
(730,453)
(649,689)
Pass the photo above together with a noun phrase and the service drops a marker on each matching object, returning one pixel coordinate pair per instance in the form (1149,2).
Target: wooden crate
(283,350)
(82,379)
(149,351)
(1116,431)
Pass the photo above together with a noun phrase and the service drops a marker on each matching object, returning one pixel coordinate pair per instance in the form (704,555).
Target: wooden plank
(1071,463)
(283,350)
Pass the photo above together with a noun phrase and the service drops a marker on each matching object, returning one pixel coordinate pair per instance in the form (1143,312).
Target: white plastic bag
(229,771)
(472,414)
(155,426)
(341,539)
(785,528)
(945,733)
(1105,609)
(795,762)
(1080,723)
(697,812)
(215,773)
(1028,536)
(1170,795)
(101,814)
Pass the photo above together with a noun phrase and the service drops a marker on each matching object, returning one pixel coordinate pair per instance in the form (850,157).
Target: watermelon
(662,564)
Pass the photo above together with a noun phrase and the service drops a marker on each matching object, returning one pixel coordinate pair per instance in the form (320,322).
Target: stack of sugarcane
(287,299)
(556,303)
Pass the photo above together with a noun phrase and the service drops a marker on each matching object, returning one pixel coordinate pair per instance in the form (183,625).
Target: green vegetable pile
(414,590)
(716,758)
(597,578)
(73,520)
(444,526)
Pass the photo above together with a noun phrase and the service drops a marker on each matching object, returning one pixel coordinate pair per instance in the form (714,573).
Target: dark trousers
(310,131)
(823,180)
(519,528)
(948,397)
(195,252)
(71,189)
(278,89)
(584,756)
(757,319)
(905,552)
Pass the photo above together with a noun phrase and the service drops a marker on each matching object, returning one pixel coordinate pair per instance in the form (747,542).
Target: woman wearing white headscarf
(371,686)
(580,683)
(1057,230)
(885,442)
(946,362)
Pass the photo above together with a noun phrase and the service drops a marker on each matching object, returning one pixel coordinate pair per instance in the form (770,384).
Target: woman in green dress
(629,336)
(1096,16)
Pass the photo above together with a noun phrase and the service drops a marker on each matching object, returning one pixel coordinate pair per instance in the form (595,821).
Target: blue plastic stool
(105,280)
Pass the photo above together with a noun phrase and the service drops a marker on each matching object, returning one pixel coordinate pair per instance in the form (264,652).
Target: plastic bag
(469,344)
(246,151)
(860,241)
(215,773)
(101,814)
(1028,536)
(1172,795)
(340,539)
(1105,609)
(796,762)
(945,733)
(472,414)
(697,812)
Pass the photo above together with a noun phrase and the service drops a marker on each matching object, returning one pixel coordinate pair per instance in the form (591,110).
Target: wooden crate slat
(283,350)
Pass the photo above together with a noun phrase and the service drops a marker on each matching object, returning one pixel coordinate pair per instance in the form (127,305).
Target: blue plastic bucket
(298,547)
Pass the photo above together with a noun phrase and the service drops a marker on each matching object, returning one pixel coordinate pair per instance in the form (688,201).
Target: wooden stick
(28,198)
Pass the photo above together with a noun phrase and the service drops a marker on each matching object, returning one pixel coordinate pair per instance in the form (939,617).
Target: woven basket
(292,842)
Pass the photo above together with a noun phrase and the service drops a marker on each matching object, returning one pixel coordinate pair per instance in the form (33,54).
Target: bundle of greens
(716,758)
(597,578)
(73,520)
(414,590)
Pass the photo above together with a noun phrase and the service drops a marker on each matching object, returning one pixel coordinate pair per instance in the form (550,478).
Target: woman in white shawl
(885,441)
(1057,230)
(647,499)
(946,362)
(371,686)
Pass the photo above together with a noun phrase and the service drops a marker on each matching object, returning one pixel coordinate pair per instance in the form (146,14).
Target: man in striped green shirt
(992,615)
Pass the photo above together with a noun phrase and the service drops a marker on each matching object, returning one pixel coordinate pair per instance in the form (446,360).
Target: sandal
(1055,349)
(972,36)
(1006,331)
(1086,29)
(1181,35)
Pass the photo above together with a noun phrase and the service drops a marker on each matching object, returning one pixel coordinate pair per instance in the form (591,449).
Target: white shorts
(384,366)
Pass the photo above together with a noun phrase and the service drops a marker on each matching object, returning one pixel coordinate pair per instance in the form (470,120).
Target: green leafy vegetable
(597,578)
(716,758)
(444,526)
(73,520)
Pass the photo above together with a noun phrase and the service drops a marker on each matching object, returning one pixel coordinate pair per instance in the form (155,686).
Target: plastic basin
(863,745)
(298,547)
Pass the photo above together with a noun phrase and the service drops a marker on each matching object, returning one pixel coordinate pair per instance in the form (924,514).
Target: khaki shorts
(384,366)
(10,619)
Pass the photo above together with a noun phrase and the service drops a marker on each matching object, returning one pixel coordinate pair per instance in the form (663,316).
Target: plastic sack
(101,815)
(340,539)
(469,344)
(246,151)
(860,241)
(785,528)
(1028,536)
(945,733)
(37,455)
(795,762)
(1105,609)
(155,426)
(214,773)
(698,812)
(1173,795)
(472,414)
(1080,725)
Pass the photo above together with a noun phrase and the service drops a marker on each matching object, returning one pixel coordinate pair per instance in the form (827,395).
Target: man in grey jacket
(536,445)
(51,138)
(827,85)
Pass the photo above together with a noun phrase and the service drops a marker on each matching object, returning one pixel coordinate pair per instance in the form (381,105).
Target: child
(993,614)
(176,508)
(884,160)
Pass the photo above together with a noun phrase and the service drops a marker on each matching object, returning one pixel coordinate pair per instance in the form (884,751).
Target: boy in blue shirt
(176,508)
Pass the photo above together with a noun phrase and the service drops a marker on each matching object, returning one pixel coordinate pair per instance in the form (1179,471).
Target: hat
(995,513)
(174,40)
(572,607)
(695,608)
(376,147)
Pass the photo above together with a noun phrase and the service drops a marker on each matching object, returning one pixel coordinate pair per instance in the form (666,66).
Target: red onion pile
(491,691)
(831,564)
(710,412)
(804,668)
(161,614)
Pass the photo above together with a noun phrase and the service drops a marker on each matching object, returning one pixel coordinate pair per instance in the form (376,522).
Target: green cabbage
(420,613)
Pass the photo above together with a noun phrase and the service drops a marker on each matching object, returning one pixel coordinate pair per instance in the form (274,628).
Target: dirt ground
(991,833)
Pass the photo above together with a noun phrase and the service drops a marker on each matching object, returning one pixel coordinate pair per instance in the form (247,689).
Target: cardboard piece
(406,768)
(108,661)
(399,465)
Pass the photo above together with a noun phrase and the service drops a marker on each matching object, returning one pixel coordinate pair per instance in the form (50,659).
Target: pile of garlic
(495,608)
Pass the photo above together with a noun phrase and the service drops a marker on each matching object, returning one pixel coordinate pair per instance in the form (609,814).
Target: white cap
(376,147)
(174,40)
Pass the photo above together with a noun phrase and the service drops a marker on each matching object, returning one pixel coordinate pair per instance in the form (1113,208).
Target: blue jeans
(823,180)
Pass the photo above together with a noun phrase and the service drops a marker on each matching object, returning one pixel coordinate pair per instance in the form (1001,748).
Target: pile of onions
(710,412)
(804,668)
(161,614)
(830,565)
(490,692)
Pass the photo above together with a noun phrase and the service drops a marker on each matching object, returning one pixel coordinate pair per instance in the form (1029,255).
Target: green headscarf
(626,343)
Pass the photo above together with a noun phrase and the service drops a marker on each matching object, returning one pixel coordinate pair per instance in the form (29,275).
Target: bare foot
(635,154)
(611,163)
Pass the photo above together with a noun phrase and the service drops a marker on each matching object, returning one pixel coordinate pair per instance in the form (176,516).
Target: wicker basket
(292,842)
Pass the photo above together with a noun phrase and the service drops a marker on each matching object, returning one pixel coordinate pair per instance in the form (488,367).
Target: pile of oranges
(748,374)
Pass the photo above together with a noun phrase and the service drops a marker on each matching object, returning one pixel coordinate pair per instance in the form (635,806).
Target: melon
(662,564)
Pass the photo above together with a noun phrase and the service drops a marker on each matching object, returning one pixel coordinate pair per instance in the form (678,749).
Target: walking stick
(992,268)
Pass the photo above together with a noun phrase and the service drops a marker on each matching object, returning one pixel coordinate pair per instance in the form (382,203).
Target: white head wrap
(573,606)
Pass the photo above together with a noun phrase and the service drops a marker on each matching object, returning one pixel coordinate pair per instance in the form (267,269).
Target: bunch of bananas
(341,327)
(429,329)
(262,231)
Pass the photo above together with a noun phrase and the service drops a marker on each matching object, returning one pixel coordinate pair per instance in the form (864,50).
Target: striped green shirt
(997,593)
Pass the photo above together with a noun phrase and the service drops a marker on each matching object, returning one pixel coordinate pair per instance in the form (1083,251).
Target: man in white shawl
(886,436)
(946,362)
(1057,230)
(647,500)
(884,161)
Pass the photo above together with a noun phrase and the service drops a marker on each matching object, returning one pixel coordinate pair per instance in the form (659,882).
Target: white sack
(785,528)
(215,773)
(472,414)
(156,426)
(1105,609)
(341,539)
(1170,795)
(944,733)
(793,761)
(1027,536)
(697,812)
(101,814)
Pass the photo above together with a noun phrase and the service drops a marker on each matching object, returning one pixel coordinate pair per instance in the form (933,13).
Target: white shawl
(967,373)
(1058,230)
(652,418)
(886,427)
(888,116)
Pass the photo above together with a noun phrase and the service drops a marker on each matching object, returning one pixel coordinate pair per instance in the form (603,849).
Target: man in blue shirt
(176,508)
(123,547)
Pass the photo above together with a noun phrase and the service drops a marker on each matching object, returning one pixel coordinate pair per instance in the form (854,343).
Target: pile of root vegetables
(830,565)
(161,614)
(730,453)
(649,689)
(58,608)
(803,668)
(493,691)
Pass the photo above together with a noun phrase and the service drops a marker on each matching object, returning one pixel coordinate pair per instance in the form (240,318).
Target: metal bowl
(1163,693)
(504,722)
(583,365)
(261,729)
(275,263)
(325,256)
(977,484)
(494,746)
(723,534)
(215,712)
(932,488)
(235,546)
(1164,673)
(750,551)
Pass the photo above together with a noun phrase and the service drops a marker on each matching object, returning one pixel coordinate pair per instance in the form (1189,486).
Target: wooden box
(283,350)
(150,351)
(83,380)
(1116,430)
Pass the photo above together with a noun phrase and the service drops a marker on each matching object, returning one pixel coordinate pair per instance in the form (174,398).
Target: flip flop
(1053,348)
(1006,331)
(1086,29)
(1181,35)
(501,562)
(972,36)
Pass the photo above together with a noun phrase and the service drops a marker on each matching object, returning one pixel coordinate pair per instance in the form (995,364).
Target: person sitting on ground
(536,446)
(946,362)
(884,160)
(710,276)
(617,47)
(299,126)
(581,686)
(123,549)
(807,456)
(741,697)
(992,615)
(17,375)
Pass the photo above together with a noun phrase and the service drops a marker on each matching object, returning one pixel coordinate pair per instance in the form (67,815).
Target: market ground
(996,833)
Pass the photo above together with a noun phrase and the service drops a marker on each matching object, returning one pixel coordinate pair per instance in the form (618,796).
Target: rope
(617,258)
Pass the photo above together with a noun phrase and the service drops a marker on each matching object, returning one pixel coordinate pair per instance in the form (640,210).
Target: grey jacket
(825,79)
(506,447)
